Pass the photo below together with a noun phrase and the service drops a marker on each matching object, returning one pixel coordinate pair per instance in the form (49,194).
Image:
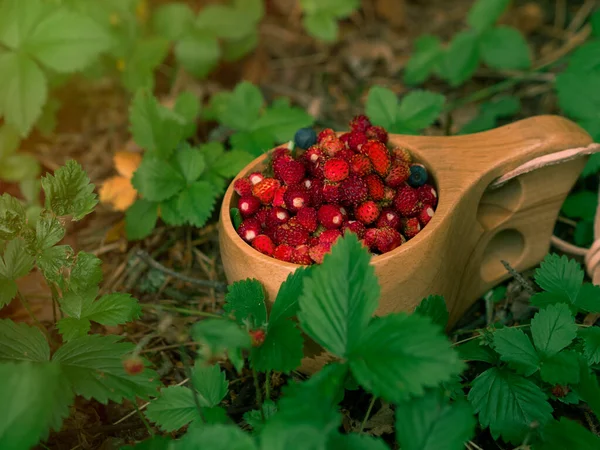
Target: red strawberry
(296,197)
(307,183)
(324,134)
(312,241)
(378,133)
(291,233)
(257,337)
(328,237)
(388,196)
(318,252)
(356,139)
(426,214)
(265,190)
(388,218)
(249,229)
(360,123)
(262,215)
(407,202)
(353,191)
(290,172)
(331,192)
(256,177)
(411,227)
(281,153)
(344,138)
(243,186)
(264,244)
(314,154)
(367,212)
(301,255)
(388,239)
(346,154)
(307,217)
(402,154)
(316,193)
(133,365)
(428,195)
(333,145)
(398,174)
(248,205)
(379,156)
(355,227)
(278,197)
(277,216)
(336,169)
(283,252)
(360,165)
(330,216)
(370,238)
(375,187)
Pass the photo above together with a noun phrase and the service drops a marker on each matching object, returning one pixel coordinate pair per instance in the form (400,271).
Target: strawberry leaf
(552,329)
(286,303)
(254,418)
(566,433)
(113,309)
(8,290)
(86,273)
(418,110)
(141,62)
(16,262)
(217,437)
(427,53)
(591,344)
(210,384)
(140,219)
(243,107)
(484,13)
(504,48)
(461,58)
(223,21)
(516,349)
(435,308)
(282,350)
(12,217)
(381,106)
(52,260)
(172,20)
(198,53)
(355,441)
(187,105)
(20,342)
(222,337)
(48,231)
(157,180)
(246,301)
(190,162)
(196,202)
(231,163)
(17,21)
(173,409)
(562,368)
(71,328)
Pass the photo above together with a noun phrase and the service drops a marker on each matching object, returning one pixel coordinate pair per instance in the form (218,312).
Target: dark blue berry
(305,138)
(418,175)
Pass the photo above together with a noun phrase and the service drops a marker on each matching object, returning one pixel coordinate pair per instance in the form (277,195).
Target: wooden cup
(458,254)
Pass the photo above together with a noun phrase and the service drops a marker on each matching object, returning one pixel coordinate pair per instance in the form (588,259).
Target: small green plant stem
(189,312)
(259,397)
(55,303)
(146,424)
(268,385)
(25,304)
(368,414)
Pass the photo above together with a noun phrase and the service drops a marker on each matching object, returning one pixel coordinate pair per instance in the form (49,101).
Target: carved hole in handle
(498,205)
(507,245)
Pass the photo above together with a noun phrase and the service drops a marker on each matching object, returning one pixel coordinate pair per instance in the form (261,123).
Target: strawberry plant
(320,17)
(41,376)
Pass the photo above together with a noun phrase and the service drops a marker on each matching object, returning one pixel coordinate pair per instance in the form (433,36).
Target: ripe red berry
(356,139)
(407,202)
(328,237)
(360,123)
(360,165)
(332,146)
(388,218)
(344,138)
(331,192)
(284,252)
(346,154)
(388,196)
(355,227)
(277,216)
(388,239)
(426,214)
(265,190)
(367,212)
(324,134)
(318,252)
(410,227)
(257,337)
(336,169)
(428,195)
(264,244)
(248,205)
(133,365)
(398,175)
(375,186)
(249,229)
(560,391)
(330,216)
(262,215)
(316,193)
(307,217)
(282,153)
(243,186)
(401,155)
(301,255)
(353,191)
(290,172)
(296,197)
(378,133)
(291,233)
(256,177)
(379,156)
(370,238)
(314,154)
(278,197)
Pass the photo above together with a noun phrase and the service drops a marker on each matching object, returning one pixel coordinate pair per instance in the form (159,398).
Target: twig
(582,14)
(517,276)
(146,424)
(145,257)
(367,414)
(191,312)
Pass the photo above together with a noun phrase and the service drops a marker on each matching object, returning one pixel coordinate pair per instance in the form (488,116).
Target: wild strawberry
(316,193)
(265,190)
(428,195)
(318,252)
(401,154)
(426,214)
(328,237)
(262,215)
(360,165)
(418,175)
(388,218)
(353,191)
(344,138)
(367,212)
(248,205)
(249,229)
(256,177)
(312,241)
(336,169)
(134,365)
(243,186)
(388,196)
(305,137)
(356,139)
(301,255)
(398,175)
(284,252)
(291,233)
(331,192)
(313,155)
(360,123)
(277,216)
(375,186)
(346,154)
(263,244)
(307,183)
(278,197)
(307,217)
(292,172)
(296,197)
(379,156)
(560,391)
(388,239)
(407,201)
(410,227)
(378,133)
(282,153)
(316,170)
(355,227)
(257,337)
(331,146)
(370,238)
(330,216)
(324,134)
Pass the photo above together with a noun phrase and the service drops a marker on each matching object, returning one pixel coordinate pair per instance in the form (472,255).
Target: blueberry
(305,138)
(418,175)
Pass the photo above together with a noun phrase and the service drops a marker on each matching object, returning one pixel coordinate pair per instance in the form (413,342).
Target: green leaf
(484,13)
(235,49)
(23,92)
(217,437)
(577,95)
(246,301)
(286,303)
(220,336)
(114,309)
(505,48)
(254,418)
(595,23)
(190,162)
(10,140)
(69,191)
(581,205)
(172,20)
(75,303)
(71,328)
(254,10)
(294,436)
(155,128)
(154,443)
(157,180)
(20,342)
(19,166)
(142,61)
(187,106)
(340,297)
(321,26)
(93,366)
(196,203)
(476,350)
(282,350)
(427,53)
(584,58)
(52,260)
(198,53)
(35,398)
(231,163)
(562,368)
(173,409)
(224,22)
(490,112)
(86,272)
(65,41)
(243,107)
(431,423)
(281,122)
(17,21)
(210,384)
(516,349)
(461,58)
(565,433)
(255,142)
(435,308)
(419,109)
(591,344)
(412,354)
(552,329)
(588,298)
(560,275)
(356,441)
(169,212)
(48,231)
(592,166)
(588,388)
(8,291)
(381,106)
(16,262)
(507,402)
(584,233)
(140,219)
(12,217)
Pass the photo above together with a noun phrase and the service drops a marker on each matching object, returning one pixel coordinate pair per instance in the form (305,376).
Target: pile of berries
(329,185)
